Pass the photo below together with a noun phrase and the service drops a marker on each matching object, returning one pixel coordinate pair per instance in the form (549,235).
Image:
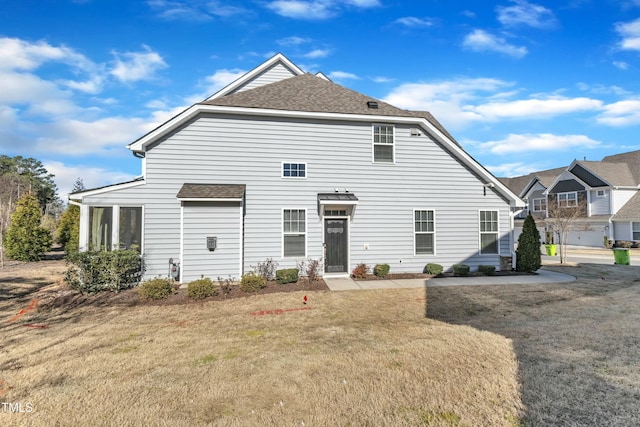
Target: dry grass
(345,358)
(576,343)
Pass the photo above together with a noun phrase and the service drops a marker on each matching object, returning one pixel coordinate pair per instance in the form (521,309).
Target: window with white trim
(130,229)
(383,150)
(540,205)
(294,232)
(424,232)
(294,170)
(636,231)
(568,200)
(600,193)
(488,232)
(100,226)
(102,222)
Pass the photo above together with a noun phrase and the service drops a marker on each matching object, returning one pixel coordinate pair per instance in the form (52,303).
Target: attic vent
(415,132)
(372,104)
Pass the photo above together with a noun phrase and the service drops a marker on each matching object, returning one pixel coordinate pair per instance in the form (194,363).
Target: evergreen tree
(69,228)
(26,240)
(528,256)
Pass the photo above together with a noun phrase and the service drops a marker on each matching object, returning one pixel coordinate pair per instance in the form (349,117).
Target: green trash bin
(622,256)
(551,249)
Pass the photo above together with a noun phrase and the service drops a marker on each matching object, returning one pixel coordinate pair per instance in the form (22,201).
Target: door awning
(211,192)
(337,199)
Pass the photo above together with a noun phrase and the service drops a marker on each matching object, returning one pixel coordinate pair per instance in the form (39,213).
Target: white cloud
(621,113)
(92,177)
(482,41)
(536,108)
(630,33)
(293,41)
(342,75)
(135,66)
(16,54)
(519,143)
(197,11)
(512,169)
(621,65)
(317,53)
(526,14)
(316,9)
(413,22)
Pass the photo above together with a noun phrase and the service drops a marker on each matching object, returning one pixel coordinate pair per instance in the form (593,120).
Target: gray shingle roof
(308,92)
(632,159)
(519,183)
(211,191)
(617,174)
(630,211)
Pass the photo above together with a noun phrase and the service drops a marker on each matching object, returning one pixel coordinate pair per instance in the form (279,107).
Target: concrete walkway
(543,276)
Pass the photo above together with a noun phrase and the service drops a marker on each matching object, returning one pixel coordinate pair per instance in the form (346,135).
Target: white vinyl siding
(489,232)
(424,232)
(294,233)
(383,143)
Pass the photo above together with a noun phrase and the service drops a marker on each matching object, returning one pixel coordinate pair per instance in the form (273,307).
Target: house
(610,190)
(288,165)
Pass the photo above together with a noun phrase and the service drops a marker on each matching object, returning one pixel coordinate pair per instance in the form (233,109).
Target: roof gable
(276,68)
(600,174)
(630,211)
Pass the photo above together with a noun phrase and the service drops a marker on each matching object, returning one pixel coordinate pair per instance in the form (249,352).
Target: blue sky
(522,85)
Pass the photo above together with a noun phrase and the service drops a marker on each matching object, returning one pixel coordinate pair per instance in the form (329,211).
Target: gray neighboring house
(287,165)
(610,187)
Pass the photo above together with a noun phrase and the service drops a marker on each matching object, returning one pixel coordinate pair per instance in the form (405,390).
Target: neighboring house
(610,189)
(287,165)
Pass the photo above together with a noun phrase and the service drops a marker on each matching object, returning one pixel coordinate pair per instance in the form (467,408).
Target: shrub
(251,282)
(433,268)
(460,270)
(201,288)
(310,268)
(381,270)
(95,271)
(287,275)
(266,269)
(487,270)
(528,256)
(608,243)
(158,288)
(360,271)
(226,285)
(25,239)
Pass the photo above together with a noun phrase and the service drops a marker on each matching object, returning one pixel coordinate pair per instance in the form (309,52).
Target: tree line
(32,215)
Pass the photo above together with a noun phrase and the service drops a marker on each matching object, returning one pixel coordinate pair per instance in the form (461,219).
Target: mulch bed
(130,297)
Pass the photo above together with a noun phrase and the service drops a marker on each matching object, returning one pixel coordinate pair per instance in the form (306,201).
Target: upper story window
(600,193)
(568,200)
(294,170)
(383,150)
(539,205)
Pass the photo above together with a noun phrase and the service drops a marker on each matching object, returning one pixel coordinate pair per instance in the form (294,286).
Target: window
(100,220)
(294,232)
(383,143)
(568,200)
(424,227)
(130,232)
(488,232)
(636,231)
(539,205)
(294,170)
(335,212)
(600,193)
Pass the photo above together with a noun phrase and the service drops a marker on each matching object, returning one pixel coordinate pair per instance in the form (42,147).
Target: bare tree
(561,217)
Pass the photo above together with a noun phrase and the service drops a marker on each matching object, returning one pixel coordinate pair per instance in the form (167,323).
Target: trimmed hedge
(202,288)
(461,270)
(96,271)
(287,275)
(487,270)
(158,288)
(381,270)
(433,268)
(251,282)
